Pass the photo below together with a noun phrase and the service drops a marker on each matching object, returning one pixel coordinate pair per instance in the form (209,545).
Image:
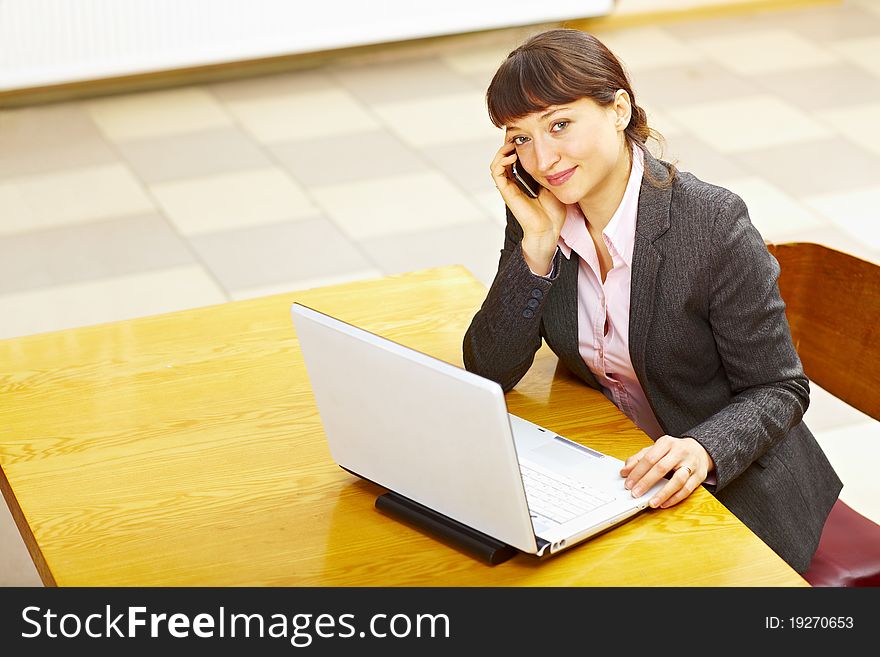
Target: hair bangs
(525,84)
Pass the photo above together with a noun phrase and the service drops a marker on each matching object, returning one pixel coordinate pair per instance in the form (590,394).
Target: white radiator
(45,42)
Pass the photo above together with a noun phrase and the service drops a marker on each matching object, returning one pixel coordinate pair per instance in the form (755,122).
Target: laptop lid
(414,424)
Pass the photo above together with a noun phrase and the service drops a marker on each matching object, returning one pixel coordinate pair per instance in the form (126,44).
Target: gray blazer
(709,343)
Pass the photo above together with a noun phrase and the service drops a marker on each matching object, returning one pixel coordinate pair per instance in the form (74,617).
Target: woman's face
(572,149)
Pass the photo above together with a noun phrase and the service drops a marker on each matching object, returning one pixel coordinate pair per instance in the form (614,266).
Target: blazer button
(537,294)
(528,314)
(533,303)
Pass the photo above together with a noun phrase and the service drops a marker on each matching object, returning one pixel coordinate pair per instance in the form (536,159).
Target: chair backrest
(832,302)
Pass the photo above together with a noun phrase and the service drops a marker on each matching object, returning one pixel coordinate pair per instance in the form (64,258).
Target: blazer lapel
(652,221)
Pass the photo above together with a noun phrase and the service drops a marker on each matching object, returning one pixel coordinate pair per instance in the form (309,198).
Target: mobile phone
(524,181)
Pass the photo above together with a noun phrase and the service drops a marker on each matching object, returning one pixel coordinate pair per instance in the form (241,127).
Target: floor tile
(855,122)
(403,80)
(70,196)
(695,156)
(699,28)
(853,452)
(803,169)
(401,204)
(863,52)
(827,412)
(661,120)
(479,60)
(346,158)
(466,163)
(766,51)
(823,24)
(835,238)
(867,5)
(84,252)
(476,246)
(307,115)
(440,120)
(701,81)
(854,212)
(233,200)
(822,87)
(268,86)
(16,214)
(157,113)
(268,255)
(734,126)
(305,284)
(106,300)
(192,155)
(50,138)
(645,48)
(16,566)
(492,205)
(481,79)
(771,211)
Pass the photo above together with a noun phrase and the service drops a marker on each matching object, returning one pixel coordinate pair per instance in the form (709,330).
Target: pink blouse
(603,308)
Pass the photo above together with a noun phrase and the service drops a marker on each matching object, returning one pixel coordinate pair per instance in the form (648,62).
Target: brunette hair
(560,66)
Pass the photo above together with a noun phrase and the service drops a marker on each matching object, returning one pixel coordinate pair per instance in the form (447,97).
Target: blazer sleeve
(747,317)
(503,336)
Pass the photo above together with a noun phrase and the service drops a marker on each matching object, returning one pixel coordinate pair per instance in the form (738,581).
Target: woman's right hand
(541,219)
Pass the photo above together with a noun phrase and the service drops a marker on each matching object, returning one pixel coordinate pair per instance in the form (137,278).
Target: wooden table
(185,449)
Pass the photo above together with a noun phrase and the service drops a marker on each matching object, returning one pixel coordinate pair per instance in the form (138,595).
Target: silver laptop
(441,436)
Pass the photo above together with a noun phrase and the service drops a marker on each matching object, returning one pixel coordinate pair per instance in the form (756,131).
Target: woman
(651,286)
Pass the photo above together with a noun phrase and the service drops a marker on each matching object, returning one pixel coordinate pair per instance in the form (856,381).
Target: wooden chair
(833,306)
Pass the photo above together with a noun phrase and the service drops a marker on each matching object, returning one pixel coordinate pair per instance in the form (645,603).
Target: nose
(546,155)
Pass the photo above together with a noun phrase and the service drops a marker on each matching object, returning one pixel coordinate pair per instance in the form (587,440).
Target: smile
(560,178)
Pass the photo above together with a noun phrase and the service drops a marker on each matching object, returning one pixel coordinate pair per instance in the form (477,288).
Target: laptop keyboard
(558,497)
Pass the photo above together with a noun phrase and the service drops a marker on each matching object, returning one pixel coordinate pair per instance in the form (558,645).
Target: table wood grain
(186,450)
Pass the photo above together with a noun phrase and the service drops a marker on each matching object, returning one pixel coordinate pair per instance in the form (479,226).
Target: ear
(622,106)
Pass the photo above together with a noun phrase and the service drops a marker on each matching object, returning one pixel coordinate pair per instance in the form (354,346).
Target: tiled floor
(131,205)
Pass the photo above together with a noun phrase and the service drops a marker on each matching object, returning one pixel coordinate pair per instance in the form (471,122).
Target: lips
(560,178)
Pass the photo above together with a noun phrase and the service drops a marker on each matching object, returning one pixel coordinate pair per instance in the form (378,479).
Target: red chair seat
(849,551)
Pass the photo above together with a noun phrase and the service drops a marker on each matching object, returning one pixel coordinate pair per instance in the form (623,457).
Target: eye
(519,140)
(559,125)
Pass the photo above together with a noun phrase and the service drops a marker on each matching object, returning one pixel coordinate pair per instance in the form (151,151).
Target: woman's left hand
(687,459)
